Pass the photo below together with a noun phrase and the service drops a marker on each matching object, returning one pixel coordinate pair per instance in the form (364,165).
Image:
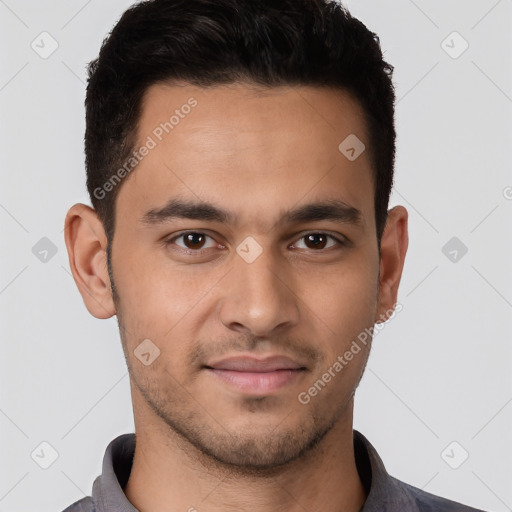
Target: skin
(201,444)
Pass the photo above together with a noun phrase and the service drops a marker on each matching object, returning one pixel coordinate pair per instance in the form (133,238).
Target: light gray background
(439,372)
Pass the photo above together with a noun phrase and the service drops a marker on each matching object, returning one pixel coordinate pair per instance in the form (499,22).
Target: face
(245,262)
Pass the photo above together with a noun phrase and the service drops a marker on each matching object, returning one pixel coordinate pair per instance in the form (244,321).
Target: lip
(254,376)
(257,365)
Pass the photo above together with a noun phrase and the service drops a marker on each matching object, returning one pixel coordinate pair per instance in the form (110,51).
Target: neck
(171,475)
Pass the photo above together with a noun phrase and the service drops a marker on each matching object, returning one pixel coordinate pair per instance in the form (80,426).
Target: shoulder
(427,502)
(84,505)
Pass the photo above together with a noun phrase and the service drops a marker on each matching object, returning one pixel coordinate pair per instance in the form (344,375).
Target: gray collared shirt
(384,492)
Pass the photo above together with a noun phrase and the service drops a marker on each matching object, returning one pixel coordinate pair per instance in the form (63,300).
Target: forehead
(228,107)
(256,149)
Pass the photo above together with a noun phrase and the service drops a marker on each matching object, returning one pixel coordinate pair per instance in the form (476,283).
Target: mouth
(257,377)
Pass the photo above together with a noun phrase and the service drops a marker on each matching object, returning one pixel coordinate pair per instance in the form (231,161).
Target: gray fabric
(385,493)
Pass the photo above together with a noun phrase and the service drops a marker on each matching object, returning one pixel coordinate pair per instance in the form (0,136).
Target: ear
(86,243)
(394,243)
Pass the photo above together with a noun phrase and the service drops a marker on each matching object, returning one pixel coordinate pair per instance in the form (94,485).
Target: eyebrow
(328,210)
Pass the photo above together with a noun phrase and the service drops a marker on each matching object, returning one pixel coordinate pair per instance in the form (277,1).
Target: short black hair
(267,43)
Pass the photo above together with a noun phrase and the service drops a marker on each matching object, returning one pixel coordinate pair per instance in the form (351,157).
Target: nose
(258,297)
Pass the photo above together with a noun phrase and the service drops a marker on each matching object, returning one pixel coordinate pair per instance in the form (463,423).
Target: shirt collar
(384,493)
(107,490)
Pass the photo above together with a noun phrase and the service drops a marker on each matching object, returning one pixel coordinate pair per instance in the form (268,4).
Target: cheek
(344,314)
(147,286)
(344,297)
(159,302)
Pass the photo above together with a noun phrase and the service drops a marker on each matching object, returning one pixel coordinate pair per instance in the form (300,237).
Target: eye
(193,241)
(318,241)
(196,241)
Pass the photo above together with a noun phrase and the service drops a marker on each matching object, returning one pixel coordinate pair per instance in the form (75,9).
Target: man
(240,158)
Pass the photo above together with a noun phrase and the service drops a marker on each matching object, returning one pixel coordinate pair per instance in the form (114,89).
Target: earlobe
(86,244)
(394,243)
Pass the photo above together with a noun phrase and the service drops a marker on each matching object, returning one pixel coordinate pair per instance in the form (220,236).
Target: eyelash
(169,241)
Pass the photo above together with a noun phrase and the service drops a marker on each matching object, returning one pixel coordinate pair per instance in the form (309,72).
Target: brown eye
(194,240)
(191,241)
(319,241)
